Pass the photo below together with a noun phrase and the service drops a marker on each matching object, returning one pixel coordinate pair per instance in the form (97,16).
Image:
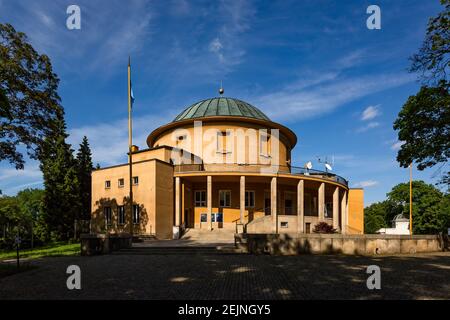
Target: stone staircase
(180,250)
(193,241)
(209,236)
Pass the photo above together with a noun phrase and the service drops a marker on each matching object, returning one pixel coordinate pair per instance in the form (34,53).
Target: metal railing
(258,168)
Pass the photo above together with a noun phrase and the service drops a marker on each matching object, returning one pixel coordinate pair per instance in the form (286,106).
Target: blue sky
(311,65)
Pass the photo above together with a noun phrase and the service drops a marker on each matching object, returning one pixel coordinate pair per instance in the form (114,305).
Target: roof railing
(258,168)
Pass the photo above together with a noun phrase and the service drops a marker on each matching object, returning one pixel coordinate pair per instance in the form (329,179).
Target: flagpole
(130,147)
(410,201)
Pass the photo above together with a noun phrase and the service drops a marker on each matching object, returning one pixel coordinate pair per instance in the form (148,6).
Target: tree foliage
(29,102)
(423,124)
(84,168)
(18,213)
(431,209)
(433,58)
(61,198)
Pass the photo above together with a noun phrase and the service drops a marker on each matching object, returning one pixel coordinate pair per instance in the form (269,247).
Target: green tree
(84,169)
(432,60)
(424,125)
(375,217)
(61,199)
(30,202)
(431,209)
(424,121)
(29,102)
(427,202)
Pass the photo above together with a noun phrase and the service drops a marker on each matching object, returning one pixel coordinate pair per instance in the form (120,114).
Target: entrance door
(308,227)
(217,219)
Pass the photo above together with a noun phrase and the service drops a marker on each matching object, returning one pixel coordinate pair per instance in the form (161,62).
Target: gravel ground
(424,276)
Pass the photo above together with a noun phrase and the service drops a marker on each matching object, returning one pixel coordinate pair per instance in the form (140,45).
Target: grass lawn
(57,249)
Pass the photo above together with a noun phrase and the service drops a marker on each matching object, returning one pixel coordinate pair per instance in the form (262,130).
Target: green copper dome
(221,107)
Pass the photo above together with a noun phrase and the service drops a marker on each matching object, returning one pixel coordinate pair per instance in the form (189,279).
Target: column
(242,198)
(321,200)
(273,204)
(209,200)
(300,205)
(336,208)
(176,230)
(344,213)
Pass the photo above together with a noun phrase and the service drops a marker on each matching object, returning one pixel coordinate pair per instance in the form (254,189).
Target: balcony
(259,168)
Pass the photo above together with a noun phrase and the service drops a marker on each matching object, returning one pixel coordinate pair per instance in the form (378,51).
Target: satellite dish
(308,165)
(328,167)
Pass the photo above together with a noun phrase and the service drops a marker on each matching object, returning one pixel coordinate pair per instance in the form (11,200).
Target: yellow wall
(153,194)
(356,211)
(169,139)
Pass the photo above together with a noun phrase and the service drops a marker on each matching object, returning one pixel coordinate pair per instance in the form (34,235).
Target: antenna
(328,165)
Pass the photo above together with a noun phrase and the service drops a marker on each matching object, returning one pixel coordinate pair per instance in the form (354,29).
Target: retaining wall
(291,244)
(94,244)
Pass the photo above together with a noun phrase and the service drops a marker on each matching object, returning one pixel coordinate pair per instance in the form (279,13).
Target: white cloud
(109,141)
(30,171)
(215,45)
(370,113)
(368,126)
(109,33)
(365,184)
(396,146)
(324,95)
(228,45)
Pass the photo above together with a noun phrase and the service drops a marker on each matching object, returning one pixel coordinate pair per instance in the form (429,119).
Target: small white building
(400,225)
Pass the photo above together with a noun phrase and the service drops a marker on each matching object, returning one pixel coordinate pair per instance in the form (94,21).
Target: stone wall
(94,244)
(291,244)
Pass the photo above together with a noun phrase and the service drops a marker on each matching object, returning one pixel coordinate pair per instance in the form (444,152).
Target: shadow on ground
(234,277)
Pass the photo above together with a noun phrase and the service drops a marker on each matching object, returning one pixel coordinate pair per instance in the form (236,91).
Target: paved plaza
(240,276)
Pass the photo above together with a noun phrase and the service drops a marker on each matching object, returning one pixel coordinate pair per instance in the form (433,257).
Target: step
(179,251)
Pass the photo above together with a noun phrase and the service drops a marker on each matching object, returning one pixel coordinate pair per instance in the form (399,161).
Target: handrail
(257,168)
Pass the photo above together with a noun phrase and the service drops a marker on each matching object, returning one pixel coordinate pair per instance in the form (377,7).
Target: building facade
(221,163)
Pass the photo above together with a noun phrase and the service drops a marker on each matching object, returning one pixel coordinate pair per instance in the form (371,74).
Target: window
(284,224)
(264,143)
(181,138)
(204,217)
(136,214)
(250,199)
(224,198)
(135,181)
(121,214)
(217,217)
(222,141)
(107,212)
(107,184)
(200,198)
(121,183)
(329,210)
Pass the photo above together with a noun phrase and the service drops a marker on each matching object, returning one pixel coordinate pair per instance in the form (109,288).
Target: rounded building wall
(241,143)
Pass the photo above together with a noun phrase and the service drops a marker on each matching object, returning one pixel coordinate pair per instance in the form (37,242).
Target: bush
(323,227)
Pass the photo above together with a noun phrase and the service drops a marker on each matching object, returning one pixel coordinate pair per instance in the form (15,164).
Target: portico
(232,201)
